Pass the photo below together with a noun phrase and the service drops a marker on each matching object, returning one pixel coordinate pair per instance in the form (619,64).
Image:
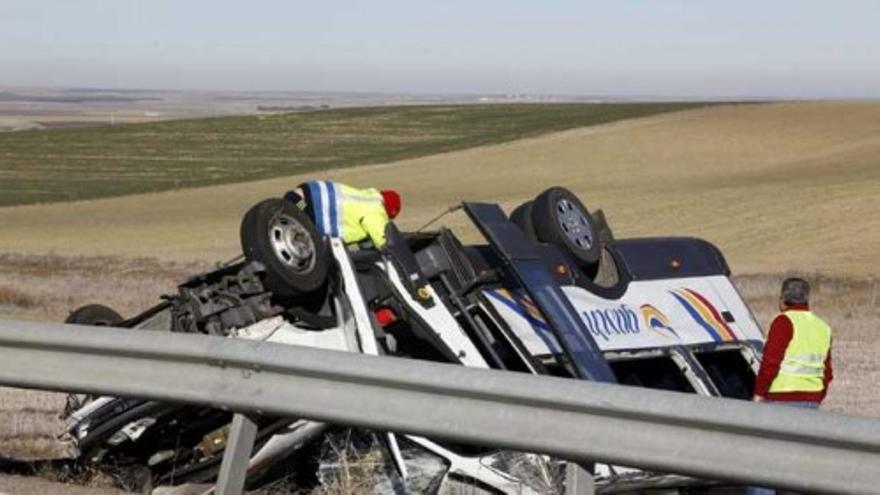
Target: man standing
(796,367)
(351,214)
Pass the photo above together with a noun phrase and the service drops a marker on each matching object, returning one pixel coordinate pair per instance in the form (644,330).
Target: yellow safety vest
(348,213)
(803,366)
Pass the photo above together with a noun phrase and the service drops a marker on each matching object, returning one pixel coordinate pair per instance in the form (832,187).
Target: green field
(80,163)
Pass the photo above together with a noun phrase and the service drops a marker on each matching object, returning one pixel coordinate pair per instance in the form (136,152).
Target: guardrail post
(578,481)
(239,447)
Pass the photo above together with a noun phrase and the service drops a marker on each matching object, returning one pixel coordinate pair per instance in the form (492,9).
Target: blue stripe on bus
(513,305)
(541,328)
(698,318)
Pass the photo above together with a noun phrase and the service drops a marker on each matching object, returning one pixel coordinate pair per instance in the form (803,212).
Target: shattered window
(356,461)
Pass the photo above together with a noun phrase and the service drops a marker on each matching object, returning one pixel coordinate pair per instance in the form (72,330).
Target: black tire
(263,230)
(560,218)
(95,314)
(521,216)
(90,314)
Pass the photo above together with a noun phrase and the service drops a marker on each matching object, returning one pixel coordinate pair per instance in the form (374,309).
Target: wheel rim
(574,224)
(292,243)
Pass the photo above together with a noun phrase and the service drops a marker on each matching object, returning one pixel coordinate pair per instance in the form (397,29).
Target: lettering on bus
(608,323)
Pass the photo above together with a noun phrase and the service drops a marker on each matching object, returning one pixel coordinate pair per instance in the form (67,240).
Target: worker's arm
(374,226)
(829,373)
(778,337)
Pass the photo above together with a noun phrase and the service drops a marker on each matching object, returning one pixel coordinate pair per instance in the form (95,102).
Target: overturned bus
(549,291)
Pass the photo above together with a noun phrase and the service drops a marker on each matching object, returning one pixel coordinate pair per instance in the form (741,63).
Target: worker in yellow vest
(345,212)
(796,366)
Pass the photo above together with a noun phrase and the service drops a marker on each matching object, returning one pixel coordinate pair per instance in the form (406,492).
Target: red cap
(385,316)
(391,200)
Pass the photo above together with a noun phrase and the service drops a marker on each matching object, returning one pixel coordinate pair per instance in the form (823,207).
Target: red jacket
(780,334)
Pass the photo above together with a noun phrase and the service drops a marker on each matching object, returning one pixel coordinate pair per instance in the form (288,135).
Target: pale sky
(778,48)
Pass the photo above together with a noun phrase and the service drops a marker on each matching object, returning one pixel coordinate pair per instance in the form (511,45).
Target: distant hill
(788,186)
(73,98)
(80,163)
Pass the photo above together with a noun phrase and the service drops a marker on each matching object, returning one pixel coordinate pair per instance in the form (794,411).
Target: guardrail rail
(581,421)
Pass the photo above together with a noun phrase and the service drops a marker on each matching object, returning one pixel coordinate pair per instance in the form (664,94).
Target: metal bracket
(578,481)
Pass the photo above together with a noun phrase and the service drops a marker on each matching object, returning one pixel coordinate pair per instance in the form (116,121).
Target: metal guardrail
(668,432)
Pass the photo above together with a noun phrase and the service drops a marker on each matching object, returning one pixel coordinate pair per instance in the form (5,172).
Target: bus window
(658,372)
(730,372)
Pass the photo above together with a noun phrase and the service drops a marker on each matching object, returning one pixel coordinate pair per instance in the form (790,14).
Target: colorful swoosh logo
(705,314)
(522,305)
(657,321)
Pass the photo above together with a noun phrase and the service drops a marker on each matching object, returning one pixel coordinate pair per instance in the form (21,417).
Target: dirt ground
(29,485)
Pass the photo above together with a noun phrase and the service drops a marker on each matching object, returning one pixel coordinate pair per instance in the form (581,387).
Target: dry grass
(779,187)
(48,288)
(36,448)
(31,427)
(28,485)
(15,297)
(354,470)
